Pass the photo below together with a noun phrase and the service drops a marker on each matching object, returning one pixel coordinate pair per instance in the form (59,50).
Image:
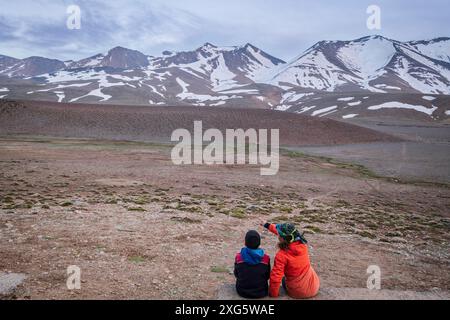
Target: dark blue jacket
(252,271)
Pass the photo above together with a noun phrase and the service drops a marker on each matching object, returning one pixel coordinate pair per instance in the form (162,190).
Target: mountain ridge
(212,75)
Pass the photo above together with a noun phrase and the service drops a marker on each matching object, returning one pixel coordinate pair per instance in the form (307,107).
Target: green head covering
(288,232)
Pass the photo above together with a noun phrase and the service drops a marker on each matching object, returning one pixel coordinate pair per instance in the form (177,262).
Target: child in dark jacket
(252,268)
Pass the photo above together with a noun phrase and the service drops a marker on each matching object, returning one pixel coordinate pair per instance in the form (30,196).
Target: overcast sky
(283,28)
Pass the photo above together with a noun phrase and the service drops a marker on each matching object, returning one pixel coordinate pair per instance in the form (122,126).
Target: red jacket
(293,263)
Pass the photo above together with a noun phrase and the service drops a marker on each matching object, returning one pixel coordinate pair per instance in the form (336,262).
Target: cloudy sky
(283,28)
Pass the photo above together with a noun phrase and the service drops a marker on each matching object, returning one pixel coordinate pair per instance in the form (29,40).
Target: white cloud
(38,27)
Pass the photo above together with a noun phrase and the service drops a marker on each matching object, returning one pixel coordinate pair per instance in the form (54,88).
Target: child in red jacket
(292,264)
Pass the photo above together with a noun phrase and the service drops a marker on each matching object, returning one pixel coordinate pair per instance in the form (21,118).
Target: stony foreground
(140,227)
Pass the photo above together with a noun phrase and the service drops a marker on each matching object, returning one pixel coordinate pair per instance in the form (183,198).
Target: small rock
(9,283)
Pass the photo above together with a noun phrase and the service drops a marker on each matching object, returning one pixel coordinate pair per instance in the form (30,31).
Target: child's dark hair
(252,239)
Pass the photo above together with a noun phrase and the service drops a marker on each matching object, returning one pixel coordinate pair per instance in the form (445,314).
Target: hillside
(157,123)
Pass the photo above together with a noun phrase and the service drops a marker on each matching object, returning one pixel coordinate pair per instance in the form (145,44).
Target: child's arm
(271,227)
(268,271)
(276,276)
(236,260)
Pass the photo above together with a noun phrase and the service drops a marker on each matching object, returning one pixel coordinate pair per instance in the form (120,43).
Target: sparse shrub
(185,220)
(366,234)
(238,213)
(136,259)
(136,209)
(286,209)
(219,269)
(314,229)
(280,219)
(141,201)
(342,203)
(8,199)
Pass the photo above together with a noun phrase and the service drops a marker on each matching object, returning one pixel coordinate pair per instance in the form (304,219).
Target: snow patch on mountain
(306,109)
(323,110)
(385,86)
(367,58)
(289,97)
(282,107)
(96,92)
(61,86)
(349,116)
(346,99)
(186,95)
(247,91)
(222,78)
(401,105)
(60,95)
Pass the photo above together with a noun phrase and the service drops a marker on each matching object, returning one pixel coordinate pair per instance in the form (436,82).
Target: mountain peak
(372,37)
(124,58)
(376,36)
(207,45)
(30,66)
(248,45)
(119,49)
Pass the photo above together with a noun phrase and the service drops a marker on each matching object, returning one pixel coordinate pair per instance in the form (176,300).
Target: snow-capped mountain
(236,75)
(6,62)
(224,67)
(438,48)
(28,67)
(372,63)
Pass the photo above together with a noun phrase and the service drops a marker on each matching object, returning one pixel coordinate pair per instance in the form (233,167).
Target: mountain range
(240,76)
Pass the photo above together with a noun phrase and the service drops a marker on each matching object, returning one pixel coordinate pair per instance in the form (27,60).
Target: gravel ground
(141,228)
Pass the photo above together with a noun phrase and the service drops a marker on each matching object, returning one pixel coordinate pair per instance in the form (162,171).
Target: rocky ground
(140,227)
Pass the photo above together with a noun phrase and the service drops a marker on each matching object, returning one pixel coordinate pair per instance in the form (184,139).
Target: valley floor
(140,227)
(424,155)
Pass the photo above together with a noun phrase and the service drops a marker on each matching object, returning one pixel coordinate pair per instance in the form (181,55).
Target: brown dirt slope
(157,123)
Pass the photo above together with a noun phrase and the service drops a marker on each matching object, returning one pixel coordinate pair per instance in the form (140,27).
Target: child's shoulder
(265,259)
(238,258)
